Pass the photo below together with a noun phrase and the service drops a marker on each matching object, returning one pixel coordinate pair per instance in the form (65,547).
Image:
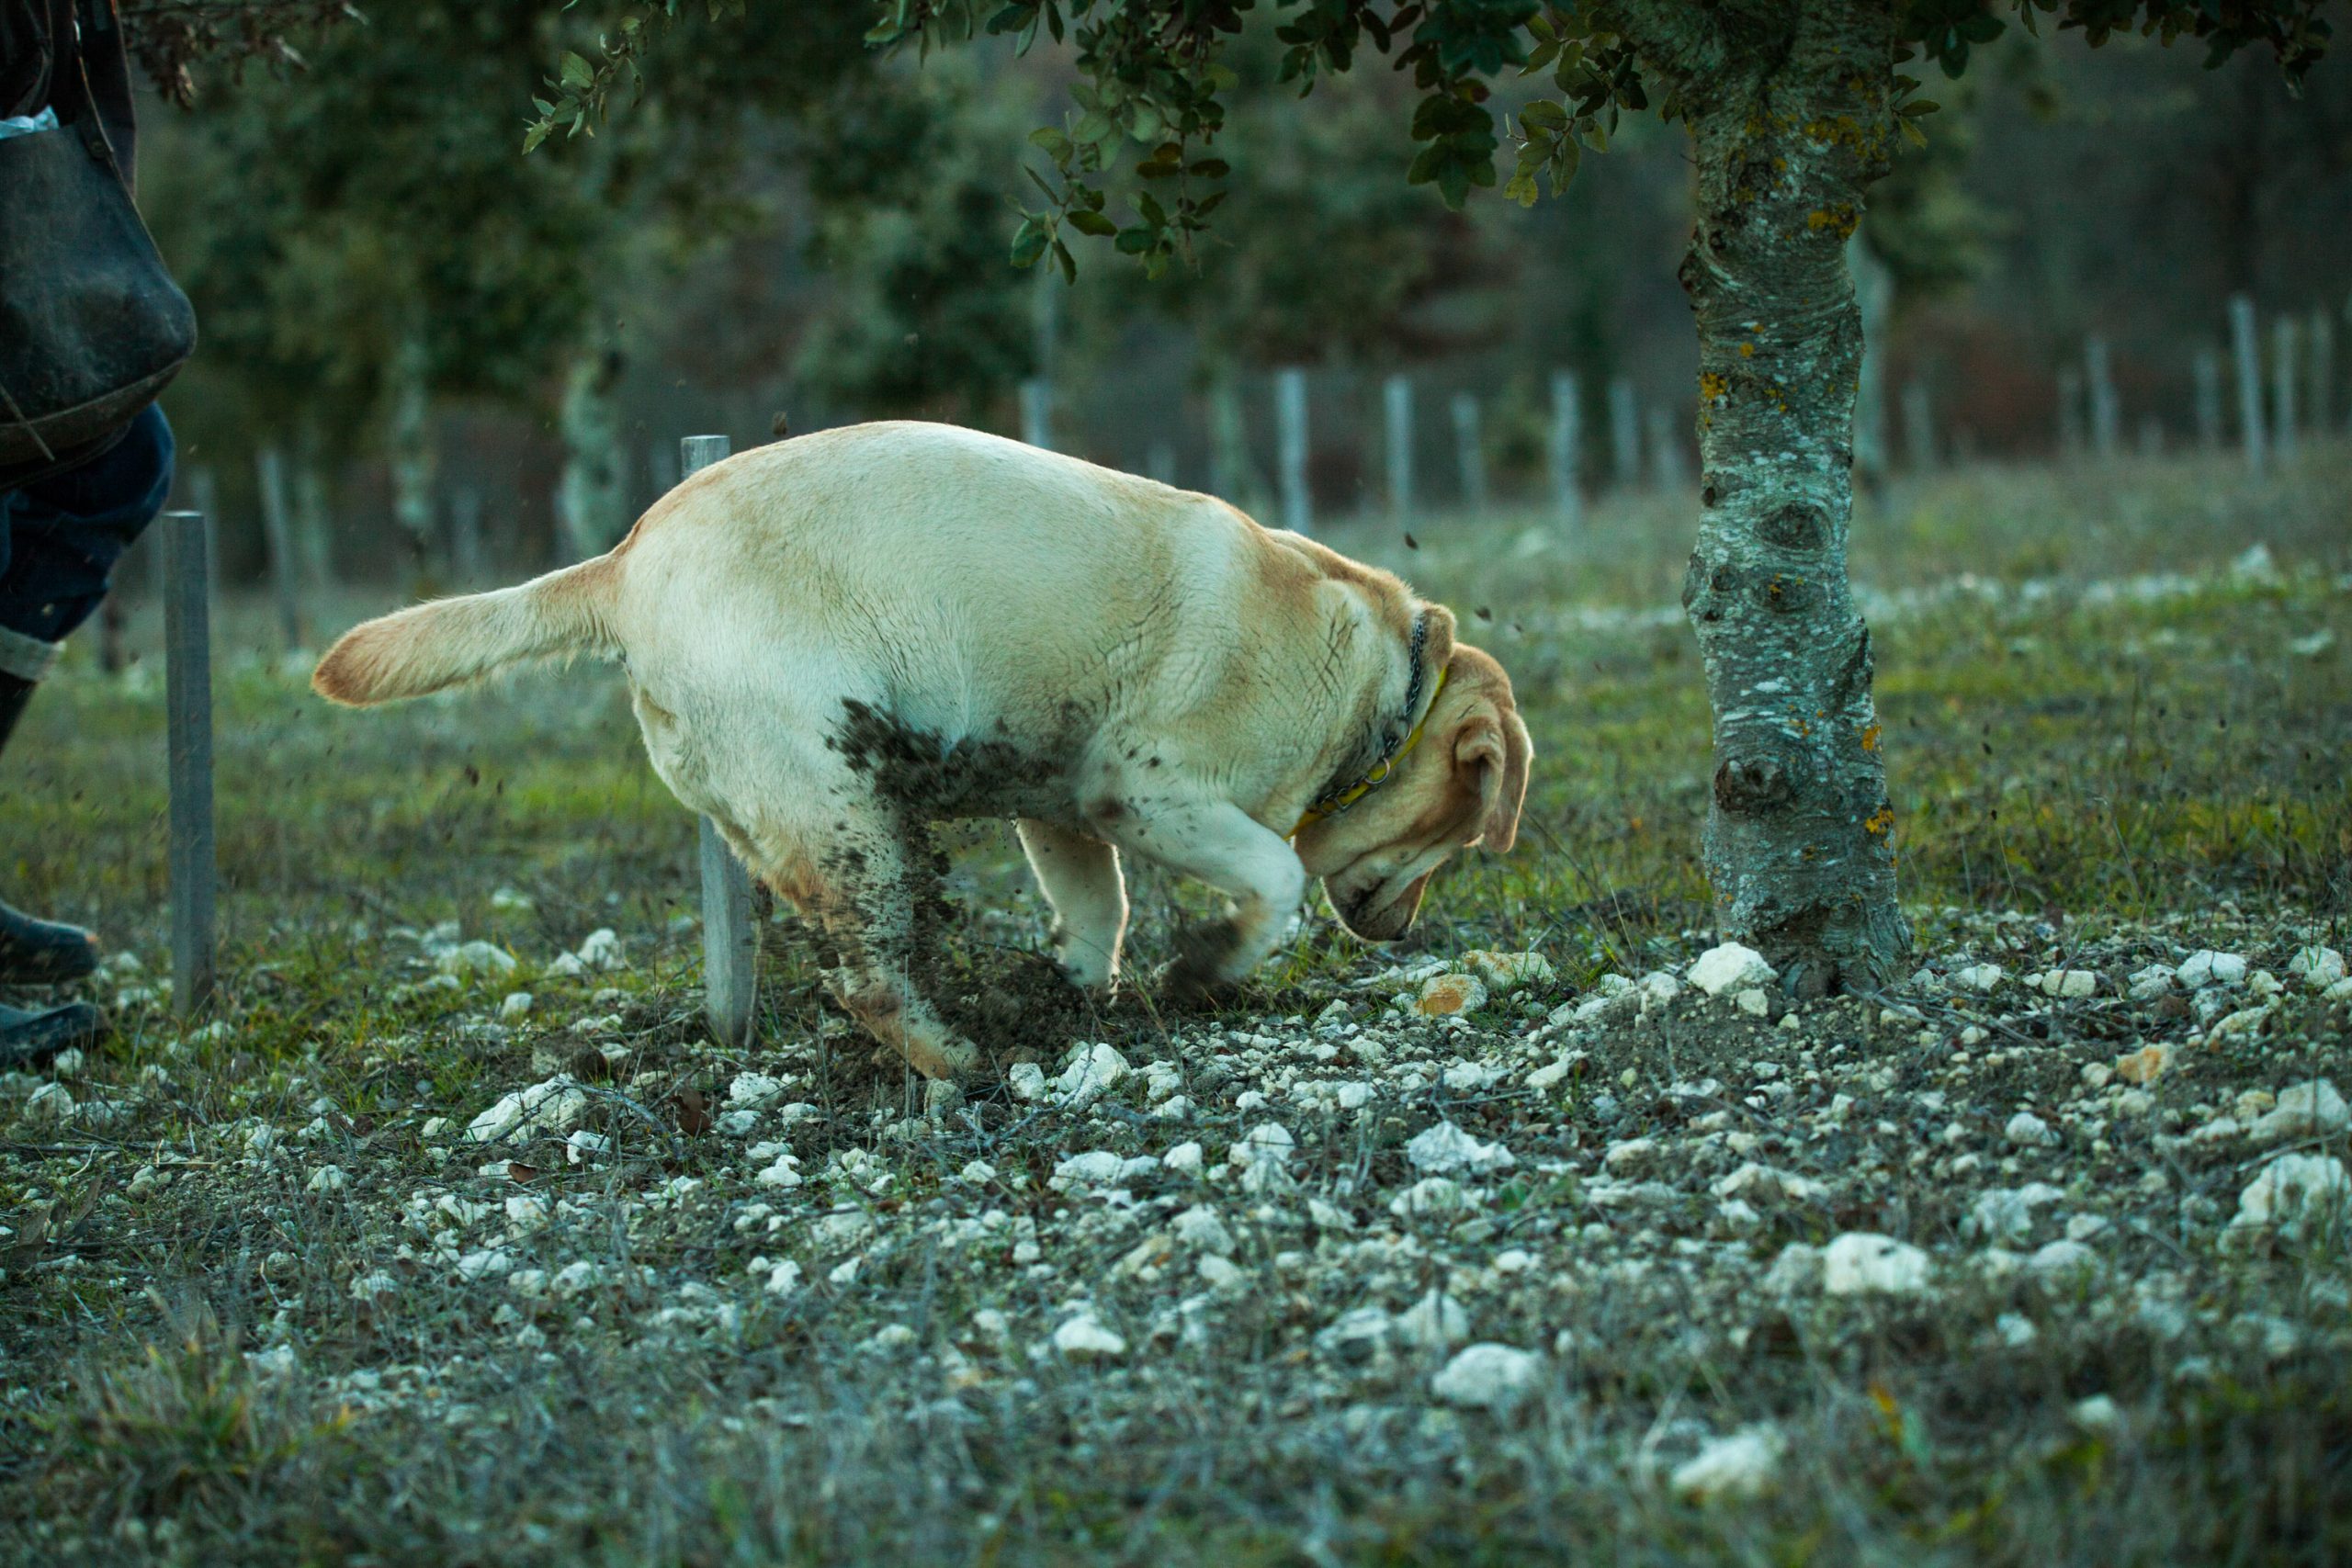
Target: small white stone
(1630,1154)
(754,1091)
(1092,1070)
(49,1102)
(516,1004)
(1741,1466)
(584,1145)
(67,1064)
(2288,1198)
(2313,1110)
(1435,1322)
(977,1173)
(1488,1377)
(1753,1183)
(784,1172)
(1269,1143)
(371,1287)
(2317,967)
(2070,984)
(2016,1329)
(573,1279)
(2207,967)
(1979,977)
(1026,1080)
(1752,1001)
(2151,982)
(1447,996)
(1799,1268)
(1444,1148)
(1095,1167)
(472,958)
(600,951)
(1083,1339)
(1184,1158)
(1508,971)
(2063,1261)
(327,1179)
(1864,1263)
(1729,966)
(2028,1131)
(1201,1228)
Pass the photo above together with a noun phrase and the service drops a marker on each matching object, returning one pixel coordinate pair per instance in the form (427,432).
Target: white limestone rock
(1731,966)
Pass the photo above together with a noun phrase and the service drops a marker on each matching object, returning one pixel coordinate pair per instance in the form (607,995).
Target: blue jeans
(60,536)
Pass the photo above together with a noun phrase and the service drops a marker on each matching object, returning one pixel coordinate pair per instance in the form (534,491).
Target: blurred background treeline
(436,359)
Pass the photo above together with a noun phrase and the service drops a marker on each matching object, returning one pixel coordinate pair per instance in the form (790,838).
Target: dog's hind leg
(872,891)
(1081,879)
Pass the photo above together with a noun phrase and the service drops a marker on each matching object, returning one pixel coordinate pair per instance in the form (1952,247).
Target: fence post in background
(2105,408)
(2282,387)
(2319,409)
(2070,413)
(1624,434)
(310,527)
(204,491)
(1037,412)
(1159,462)
(278,531)
(1290,449)
(2248,360)
(187,673)
(1919,430)
(2208,368)
(1567,439)
(1396,408)
(1470,451)
(730,943)
(1666,451)
(464,536)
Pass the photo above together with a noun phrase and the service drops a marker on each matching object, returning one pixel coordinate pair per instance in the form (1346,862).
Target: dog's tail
(423,649)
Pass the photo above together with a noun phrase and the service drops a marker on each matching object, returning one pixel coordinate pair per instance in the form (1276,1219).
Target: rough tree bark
(1795,124)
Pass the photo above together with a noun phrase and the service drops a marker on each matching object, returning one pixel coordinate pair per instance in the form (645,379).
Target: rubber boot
(34,1039)
(36,951)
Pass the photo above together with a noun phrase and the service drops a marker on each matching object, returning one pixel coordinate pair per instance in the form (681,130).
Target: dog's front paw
(1200,975)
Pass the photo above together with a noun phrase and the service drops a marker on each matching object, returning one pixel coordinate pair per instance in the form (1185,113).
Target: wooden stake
(2319,409)
(1290,438)
(189,709)
(1470,451)
(1566,448)
(1397,405)
(1036,413)
(730,943)
(2106,410)
(285,567)
(1624,434)
(2282,387)
(2248,360)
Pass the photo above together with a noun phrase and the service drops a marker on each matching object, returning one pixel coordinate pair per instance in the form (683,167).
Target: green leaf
(1545,113)
(1028,242)
(1092,223)
(576,71)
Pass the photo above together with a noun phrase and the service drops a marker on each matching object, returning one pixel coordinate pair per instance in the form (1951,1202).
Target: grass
(2102,739)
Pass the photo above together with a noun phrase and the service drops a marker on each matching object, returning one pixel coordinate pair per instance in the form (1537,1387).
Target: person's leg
(60,538)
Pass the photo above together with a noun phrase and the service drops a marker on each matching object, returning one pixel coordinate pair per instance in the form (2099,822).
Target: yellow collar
(1333,804)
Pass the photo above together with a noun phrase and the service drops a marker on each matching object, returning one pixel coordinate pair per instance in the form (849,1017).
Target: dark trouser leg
(60,538)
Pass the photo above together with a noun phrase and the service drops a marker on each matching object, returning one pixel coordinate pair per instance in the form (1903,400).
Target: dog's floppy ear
(1492,747)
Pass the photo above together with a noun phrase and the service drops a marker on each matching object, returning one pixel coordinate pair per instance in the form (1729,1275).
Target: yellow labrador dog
(837,639)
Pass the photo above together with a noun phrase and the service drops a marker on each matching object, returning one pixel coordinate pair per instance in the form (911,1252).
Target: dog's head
(1462,786)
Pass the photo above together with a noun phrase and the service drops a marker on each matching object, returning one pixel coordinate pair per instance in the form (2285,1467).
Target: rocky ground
(1560,1233)
(1454,1236)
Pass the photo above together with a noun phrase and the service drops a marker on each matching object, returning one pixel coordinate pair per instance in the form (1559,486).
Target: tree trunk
(1800,840)
(594,486)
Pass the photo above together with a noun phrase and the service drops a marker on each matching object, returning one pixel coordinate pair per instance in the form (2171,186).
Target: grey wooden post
(1567,440)
(2319,409)
(1397,405)
(204,491)
(311,525)
(2070,413)
(1290,438)
(2208,368)
(2282,387)
(2106,410)
(1159,462)
(1666,450)
(465,536)
(730,943)
(1918,429)
(187,674)
(1624,434)
(1036,412)
(2248,360)
(1469,451)
(278,531)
